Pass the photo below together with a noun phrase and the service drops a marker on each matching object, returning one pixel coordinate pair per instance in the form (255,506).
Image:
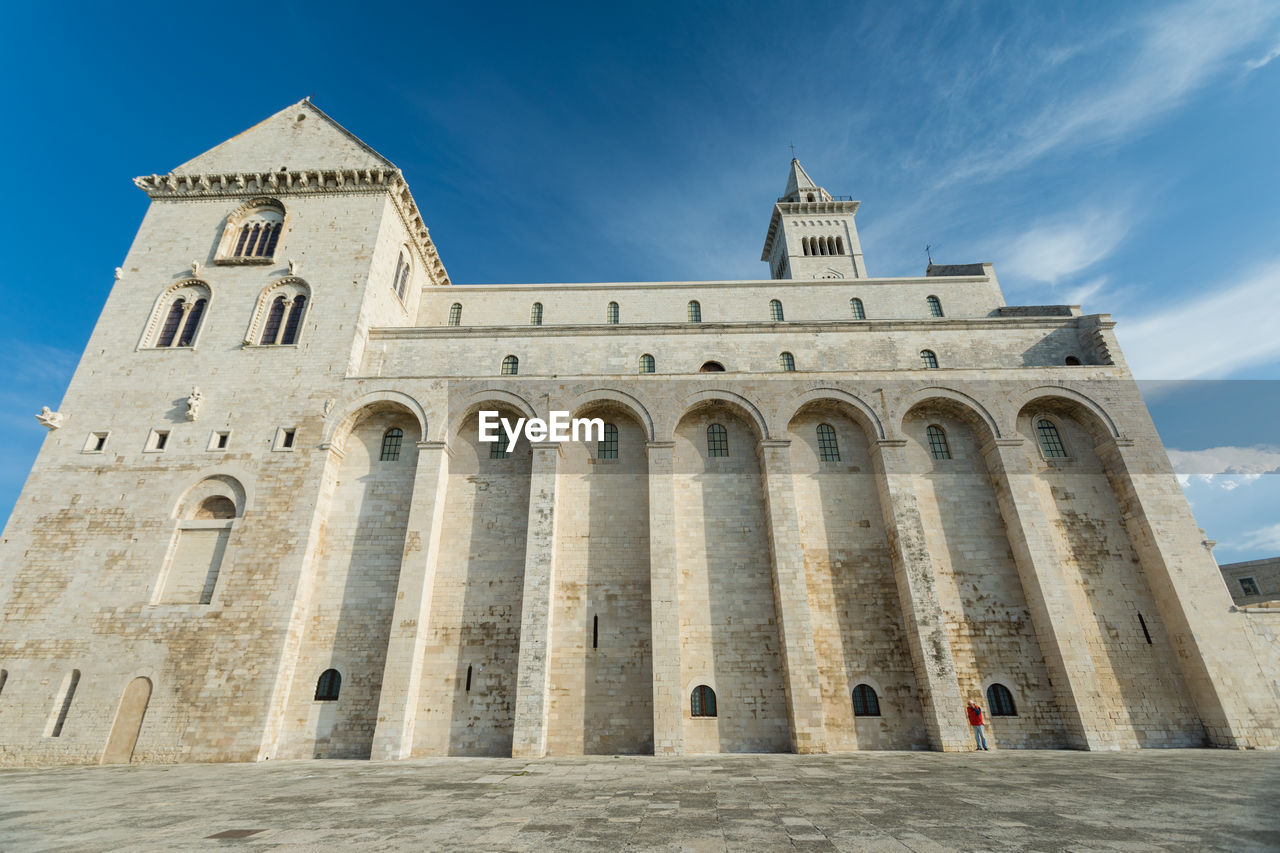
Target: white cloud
(1226,468)
(1262,539)
(1255,64)
(1221,328)
(1055,250)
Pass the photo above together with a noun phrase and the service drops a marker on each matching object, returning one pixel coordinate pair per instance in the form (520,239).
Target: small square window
(285,437)
(1249,586)
(219,440)
(96,442)
(157,441)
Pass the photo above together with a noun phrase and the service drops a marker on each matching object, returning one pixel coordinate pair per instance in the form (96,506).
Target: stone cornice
(302,182)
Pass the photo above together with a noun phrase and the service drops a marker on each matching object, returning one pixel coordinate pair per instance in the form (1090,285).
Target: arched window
(647,364)
(775,310)
(822,246)
(175,320)
(935,306)
(611,314)
(703,701)
(695,311)
(839,245)
(717,440)
(608,447)
(855,305)
(192,326)
(510,366)
(535,314)
(281,309)
(455,314)
(865,701)
(1073,361)
(391,441)
(500,449)
(1000,701)
(938,446)
(787,362)
(810,197)
(296,312)
(171,323)
(252,232)
(400,284)
(929,357)
(328,686)
(828,449)
(216,507)
(804,245)
(711,367)
(1050,442)
(274,318)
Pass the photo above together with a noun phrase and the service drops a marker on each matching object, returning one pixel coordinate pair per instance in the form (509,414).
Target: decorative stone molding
(306,181)
(49,419)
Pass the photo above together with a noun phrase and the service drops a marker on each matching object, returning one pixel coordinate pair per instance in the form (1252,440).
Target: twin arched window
(510,366)
(391,441)
(865,701)
(717,440)
(935,306)
(1000,701)
(328,686)
(455,314)
(400,283)
(535,314)
(775,310)
(828,449)
(183,309)
(284,318)
(855,305)
(611,314)
(938,446)
(607,448)
(647,364)
(930,359)
(787,362)
(1050,441)
(695,311)
(702,703)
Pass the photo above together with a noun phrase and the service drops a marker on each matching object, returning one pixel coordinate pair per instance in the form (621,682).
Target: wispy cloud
(1226,326)
(1261,61)
(1262,539)
(1052,251)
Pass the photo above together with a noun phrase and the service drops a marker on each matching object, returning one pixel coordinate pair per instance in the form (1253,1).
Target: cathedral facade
(825,510)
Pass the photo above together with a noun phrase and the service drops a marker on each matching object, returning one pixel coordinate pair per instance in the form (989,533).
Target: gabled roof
(300,136)
(798,179)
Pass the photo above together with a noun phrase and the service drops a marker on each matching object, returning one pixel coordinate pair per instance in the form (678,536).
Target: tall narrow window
(1143,624)
(828,449)
(4,676)
(192,326)
(328,685)
(839,245)
(935,306)
(468,687)
(400,284)
(607,448)
(787,362)
(171,322)
(804,245)
(695,311)
(455,314)
(865,701)
(611,313)
(1000,701)
(930,358)
(274,317)
(296,312)
(391,441)
(58,718)
(775,310)
(703,701)
(535,314)
(510,366)
(938,447)
(595,632)
(1050,442)
(647,364)
(501,448)
(855,305)
(717,440)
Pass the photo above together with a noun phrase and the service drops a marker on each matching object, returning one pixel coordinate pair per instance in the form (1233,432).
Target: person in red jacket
(975,720)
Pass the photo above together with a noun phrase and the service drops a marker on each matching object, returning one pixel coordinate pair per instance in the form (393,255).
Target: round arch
(1059,397)
(700,399)
(858,409)
(198,289)
(966,407)
(624,400)
(224,485)
(338,428)
(473,402)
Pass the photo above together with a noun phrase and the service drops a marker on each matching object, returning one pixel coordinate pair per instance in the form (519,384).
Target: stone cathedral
(825,511)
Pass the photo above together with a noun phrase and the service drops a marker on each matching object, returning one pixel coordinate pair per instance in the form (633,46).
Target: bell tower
(812,234)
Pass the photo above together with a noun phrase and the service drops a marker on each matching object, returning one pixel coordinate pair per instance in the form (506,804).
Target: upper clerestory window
(252,233)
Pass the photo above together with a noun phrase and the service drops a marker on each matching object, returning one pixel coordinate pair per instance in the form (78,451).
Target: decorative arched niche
(204,519)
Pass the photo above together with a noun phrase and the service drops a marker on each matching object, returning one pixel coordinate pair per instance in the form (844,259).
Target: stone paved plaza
(1153,800)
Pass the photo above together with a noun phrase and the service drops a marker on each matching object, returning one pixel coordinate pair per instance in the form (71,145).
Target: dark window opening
(608,448)
(865,701)
(162,438)
(171,322)
(717,440)
(391,441)
(1000,701)
(595,632)
(1145,632)
(222,440)
(828,449)
(295,320)
(1249,586)
(499,449)
(467,689)
(712,367)
(287,440)
(1050,442)
(703,701)
(510,366)
(328,686)
(100,441)
(1073,361)
(938,447)
(930,358)
(193,323)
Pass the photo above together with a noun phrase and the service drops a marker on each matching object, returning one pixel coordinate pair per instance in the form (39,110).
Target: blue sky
(1122,156)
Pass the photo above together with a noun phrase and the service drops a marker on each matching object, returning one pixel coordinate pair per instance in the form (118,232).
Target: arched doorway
(128,723)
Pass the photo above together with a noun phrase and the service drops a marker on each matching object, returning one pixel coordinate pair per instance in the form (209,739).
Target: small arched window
(400,284)
(695,311)
(828,449)
(703,701)
(608,447)
(647,364)
(865,701)
(611,314)
(717,440)
(455,314)
(391,441)
(328,686)
(1072,361)
(535,314)
(935,306)
(930,358)
(192,326)
(510,366)
(787,362)
(1000,701)
(216,507)
(711,367)
(1050,441)
(938,446)
(281,310)
(775,310)
(253,232)
(855,305)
